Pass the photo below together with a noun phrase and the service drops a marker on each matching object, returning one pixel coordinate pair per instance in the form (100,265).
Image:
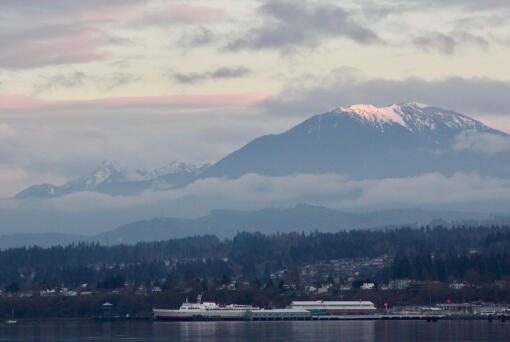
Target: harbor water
(324,331)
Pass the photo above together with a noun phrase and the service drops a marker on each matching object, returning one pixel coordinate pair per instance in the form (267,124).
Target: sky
(148,82)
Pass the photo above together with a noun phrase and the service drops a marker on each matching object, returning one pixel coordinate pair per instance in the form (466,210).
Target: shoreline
(315,319)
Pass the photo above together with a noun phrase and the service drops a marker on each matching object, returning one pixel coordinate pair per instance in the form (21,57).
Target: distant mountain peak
(365,141)
(414,104)
(360,141)
(376,115)
(107,169)
(112,178)
(178,167)
(413,116)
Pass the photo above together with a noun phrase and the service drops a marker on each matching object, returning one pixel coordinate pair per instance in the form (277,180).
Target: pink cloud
(58,45)
(113,12)
(195,13)
(200,99)
(181,14)
(15,102)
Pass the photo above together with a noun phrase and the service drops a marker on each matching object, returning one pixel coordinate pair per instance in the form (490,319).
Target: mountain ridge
(360,142)
(113,179)
(226,223)
(362,146)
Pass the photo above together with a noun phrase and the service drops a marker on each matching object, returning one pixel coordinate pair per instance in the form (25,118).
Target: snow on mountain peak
(413,116)
(107,169)
(375,115)
(174,168)
(414,104)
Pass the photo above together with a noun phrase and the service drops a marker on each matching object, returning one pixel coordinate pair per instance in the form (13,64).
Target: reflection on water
(362,331)
(266,331)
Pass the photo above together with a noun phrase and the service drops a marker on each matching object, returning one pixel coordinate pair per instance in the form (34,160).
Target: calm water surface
(258,331)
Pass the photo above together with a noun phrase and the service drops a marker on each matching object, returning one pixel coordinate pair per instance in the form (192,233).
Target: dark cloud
(201,37)
(447,44)
(221,73)
(73,80)
(78,79)
(291,24)
(118,79)
(477,95)
(121,41)
(230,72)
(436,42)
(179,14)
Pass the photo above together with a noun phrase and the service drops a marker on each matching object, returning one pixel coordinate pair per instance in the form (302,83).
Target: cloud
(19,102)
(218,74)
(193,99)
(51,32)
(58,140)
(79,79)
(187,13)
(72,80)
(118,79)
(436,42)
(476,22)
(9,174)
(180,14)
(471,5)
(476,95)
(51,45)
(58,9)
(482,142)
(290,24)
(464,191)
(93,212)
(5,129)
(200,37)
(255,191)
(113,10)
(447,44)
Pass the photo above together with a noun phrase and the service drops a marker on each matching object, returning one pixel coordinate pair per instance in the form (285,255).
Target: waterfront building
(321,307)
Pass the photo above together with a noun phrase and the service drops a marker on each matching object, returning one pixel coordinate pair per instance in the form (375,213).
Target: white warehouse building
(321,307)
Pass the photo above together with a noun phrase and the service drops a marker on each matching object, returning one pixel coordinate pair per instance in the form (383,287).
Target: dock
(376,317)
(295,315)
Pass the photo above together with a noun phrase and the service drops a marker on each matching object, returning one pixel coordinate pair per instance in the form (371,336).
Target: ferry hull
(179,316)
(197,318)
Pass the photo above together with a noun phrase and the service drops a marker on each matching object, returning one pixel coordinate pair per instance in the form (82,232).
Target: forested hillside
(478,253)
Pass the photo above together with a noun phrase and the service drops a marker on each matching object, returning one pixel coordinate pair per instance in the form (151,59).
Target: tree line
(477,254)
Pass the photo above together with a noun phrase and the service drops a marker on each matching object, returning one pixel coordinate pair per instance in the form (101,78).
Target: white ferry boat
(206,311)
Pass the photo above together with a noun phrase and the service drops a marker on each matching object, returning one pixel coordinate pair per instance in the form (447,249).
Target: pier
(376,317)
(289,315)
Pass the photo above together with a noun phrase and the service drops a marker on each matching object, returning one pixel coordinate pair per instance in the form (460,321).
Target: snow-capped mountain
(174,168)
(360,141)
(364,141)
(109,171)
(111,178)
(415,117)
